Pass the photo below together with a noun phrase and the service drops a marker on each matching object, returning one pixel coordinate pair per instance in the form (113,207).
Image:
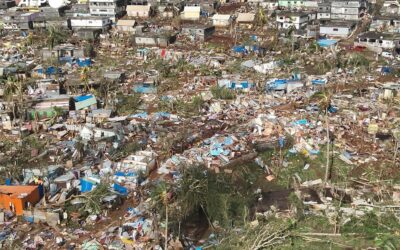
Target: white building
(324,11)
(378,41)
(191,13)
(103,23)
(385,24)
(220,20)
(336,29)
(391,7)
(350,10)
(141,161)
(245,18)
(286,19)
(107,8)
(126,26)
(89,132)
(138,10)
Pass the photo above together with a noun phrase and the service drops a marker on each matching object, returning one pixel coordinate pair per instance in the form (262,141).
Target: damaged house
(6,4)
(19,198)
(126,26)
(386,24)
(142,11)
(220,20)
(63,51)
(16,20)
(378,41)
(155,39)
(198,32)
(141,161)
(245,20)
(191,13)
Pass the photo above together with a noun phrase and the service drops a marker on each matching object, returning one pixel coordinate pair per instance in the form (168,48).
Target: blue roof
(82,98)
(326,42)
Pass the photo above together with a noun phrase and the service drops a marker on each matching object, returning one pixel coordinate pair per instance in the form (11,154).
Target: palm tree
(260,19)
(29,39)
(12,88)
(55,36)
(57,112)
(324,102)
(194,191)
(80,148)
(85,77)
(290,34)
(104,90)
(396,135)
(162,196)
(1,28)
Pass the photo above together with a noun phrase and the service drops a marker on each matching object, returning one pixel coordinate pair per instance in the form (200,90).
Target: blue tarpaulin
(386,69)
(84,62)
(140,115)
(86,186)
(240,49)
(301,122)
(332,109)
(326,42)
(41,190)
(119,173)
(281,142)
(120,189)
(82,98)
(66,59)
(145,89)
(318,81)
(159,115)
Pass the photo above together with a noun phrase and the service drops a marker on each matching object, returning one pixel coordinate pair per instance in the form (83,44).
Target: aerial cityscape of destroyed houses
(199,124)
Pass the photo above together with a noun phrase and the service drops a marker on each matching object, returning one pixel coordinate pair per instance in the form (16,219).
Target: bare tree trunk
(327,147)
(166,228)
(13,111)
(396,149)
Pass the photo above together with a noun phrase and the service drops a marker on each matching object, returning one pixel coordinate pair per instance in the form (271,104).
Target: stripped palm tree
(324,100)
(55,36)
(12,89)
(162,196)
(85,77)
(260,19)
(290,34)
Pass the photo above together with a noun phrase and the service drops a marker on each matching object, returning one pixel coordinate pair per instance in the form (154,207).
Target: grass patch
(185,109)
(222,93)
(297,162)
(128,104)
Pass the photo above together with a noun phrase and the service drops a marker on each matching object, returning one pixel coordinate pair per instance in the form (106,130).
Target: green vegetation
(296,163)
(55,36)
(18,156)
(181,107)
(127,149)
(224,198)
(128,104)
(223,93)
(93,200)
(316,232)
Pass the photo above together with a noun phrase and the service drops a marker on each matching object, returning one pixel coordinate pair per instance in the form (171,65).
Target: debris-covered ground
(205,125)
